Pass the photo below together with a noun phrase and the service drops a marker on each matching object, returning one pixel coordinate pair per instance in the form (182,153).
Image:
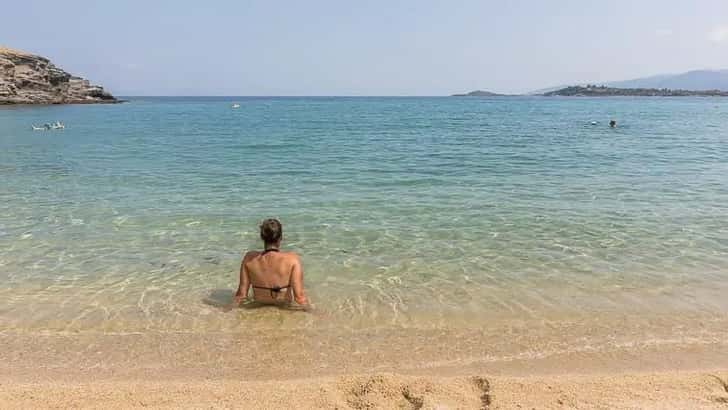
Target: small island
(479,93)
(604,91)
(31,79)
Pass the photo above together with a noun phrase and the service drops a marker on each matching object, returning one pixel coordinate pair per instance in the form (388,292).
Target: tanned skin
(271,269)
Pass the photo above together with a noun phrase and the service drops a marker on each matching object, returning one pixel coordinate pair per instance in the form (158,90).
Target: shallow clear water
(408,212)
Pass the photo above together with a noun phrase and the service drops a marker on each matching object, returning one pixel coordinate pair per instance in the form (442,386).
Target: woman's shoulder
(290,255)
(250,255)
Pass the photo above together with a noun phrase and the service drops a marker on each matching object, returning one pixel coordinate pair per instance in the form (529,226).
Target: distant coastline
(604,91)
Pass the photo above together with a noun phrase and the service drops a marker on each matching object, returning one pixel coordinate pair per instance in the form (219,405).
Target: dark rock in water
(30,79)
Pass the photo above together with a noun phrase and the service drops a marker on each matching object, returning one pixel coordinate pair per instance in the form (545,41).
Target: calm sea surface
(440,213)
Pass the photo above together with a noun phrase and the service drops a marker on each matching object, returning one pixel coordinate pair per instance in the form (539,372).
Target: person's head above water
(271,232)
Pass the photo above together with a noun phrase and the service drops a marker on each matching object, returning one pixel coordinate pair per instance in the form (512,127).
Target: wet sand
(163,370)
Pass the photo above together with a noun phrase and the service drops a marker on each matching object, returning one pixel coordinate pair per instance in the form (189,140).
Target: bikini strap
(274,291)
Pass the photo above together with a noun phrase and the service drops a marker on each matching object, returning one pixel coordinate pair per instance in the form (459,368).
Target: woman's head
(271,231)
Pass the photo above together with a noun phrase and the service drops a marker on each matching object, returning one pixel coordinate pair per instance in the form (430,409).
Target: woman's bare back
(275,277)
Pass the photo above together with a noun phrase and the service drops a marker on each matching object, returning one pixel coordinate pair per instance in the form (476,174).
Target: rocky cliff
(30,79)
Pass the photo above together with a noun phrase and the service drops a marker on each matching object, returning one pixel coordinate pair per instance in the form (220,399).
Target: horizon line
(302,96)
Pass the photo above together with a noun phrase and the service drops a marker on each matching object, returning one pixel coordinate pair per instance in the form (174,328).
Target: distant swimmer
(594,123)
(275,276)
(612,124)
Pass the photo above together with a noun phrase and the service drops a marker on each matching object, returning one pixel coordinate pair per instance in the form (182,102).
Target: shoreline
(271,353)
(187,370)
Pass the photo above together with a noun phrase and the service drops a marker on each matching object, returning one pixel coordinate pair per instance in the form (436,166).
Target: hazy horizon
(379,49)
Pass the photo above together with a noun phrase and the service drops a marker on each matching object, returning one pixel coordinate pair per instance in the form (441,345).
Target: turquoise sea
(423,213)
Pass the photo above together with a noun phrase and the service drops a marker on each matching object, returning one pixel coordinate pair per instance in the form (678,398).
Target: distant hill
(542,91)
(691,80)
(604,91)
(478,93)
(696,80)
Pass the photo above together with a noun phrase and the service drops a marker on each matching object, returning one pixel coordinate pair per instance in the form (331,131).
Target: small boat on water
(55,126)
(236,105)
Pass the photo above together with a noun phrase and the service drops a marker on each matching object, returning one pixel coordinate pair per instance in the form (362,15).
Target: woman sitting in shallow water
(275,276)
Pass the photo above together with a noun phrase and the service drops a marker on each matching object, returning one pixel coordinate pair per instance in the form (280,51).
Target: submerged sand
(673,390)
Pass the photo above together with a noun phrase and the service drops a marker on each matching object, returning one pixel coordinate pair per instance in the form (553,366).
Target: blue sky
(366,48)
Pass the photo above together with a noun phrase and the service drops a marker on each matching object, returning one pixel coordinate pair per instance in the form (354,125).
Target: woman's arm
(299,295)
(244,284)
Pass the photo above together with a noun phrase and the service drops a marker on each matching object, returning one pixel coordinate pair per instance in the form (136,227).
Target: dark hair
(271,230)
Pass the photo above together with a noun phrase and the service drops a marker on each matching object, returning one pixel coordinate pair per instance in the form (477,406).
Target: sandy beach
(668,390)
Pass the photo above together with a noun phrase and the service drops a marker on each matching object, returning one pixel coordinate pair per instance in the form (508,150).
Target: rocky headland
(31,79)
(479,93)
